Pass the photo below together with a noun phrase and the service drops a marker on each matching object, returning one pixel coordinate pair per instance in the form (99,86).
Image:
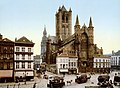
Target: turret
(44,32)
(90,23)
(77,26)
(77,21)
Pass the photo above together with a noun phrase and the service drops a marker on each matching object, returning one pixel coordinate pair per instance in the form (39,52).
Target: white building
(115,60)
(23,59)
(102,64)
(66,64)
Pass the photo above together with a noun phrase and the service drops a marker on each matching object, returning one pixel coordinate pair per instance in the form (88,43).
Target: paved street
(42,83)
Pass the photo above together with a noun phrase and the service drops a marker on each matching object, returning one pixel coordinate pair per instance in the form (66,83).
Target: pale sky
(27,18)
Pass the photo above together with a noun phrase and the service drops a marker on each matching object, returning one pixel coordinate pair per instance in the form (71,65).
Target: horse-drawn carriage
(103,81)
(56,82)
(82,78)
(116,79)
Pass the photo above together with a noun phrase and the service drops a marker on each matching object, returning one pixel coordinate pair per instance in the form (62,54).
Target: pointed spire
(59,8)
(44,32)
(77,21)
(63,8)
(70,10)
(90,23)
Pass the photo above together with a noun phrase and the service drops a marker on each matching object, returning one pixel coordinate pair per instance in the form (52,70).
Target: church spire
(44,32)
(90,23)
(77,21)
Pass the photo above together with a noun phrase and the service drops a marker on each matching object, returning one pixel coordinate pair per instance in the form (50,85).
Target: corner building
(80,43)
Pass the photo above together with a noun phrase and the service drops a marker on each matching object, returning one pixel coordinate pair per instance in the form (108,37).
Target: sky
(27,18)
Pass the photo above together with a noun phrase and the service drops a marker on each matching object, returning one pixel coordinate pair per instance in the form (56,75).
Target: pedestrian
(14,86)
(18,85)
(7,86)
(34,85)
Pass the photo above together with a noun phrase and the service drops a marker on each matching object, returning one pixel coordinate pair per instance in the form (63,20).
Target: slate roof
(23,40)
(6,40)
(117,53)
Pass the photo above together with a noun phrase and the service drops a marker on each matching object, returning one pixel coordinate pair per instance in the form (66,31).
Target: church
(78,48)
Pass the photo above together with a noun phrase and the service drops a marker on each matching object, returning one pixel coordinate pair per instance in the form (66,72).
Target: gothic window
(64,32)
(84,41)
(66,19)
(63,19)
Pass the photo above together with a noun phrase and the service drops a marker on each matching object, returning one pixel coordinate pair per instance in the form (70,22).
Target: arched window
(66,19)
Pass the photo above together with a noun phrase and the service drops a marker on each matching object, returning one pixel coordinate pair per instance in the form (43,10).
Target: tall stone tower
(63,23)
(43,44)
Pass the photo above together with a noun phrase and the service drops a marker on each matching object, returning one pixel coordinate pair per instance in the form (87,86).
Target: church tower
(63,23)
(43,43)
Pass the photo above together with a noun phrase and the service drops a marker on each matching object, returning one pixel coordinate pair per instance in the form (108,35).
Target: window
(29,65)
(96,60)
(23,49)
(99,65)
(17,49)
(1,65)
(99,60)
(11,49)
(60,65)
(23,64)
(29,57)
(8,65)
(29,49)
(74,63)
(23,57)
(17,65)
(17,57)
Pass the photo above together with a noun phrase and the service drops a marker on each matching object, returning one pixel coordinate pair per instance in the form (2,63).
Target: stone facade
(80,42)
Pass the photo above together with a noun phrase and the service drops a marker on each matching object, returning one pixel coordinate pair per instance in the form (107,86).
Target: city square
(61,43)
(42,83)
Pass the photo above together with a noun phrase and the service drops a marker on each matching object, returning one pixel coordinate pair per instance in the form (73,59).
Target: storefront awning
(6,73)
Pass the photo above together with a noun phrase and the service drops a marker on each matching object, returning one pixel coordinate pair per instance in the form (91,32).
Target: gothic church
(80,43)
